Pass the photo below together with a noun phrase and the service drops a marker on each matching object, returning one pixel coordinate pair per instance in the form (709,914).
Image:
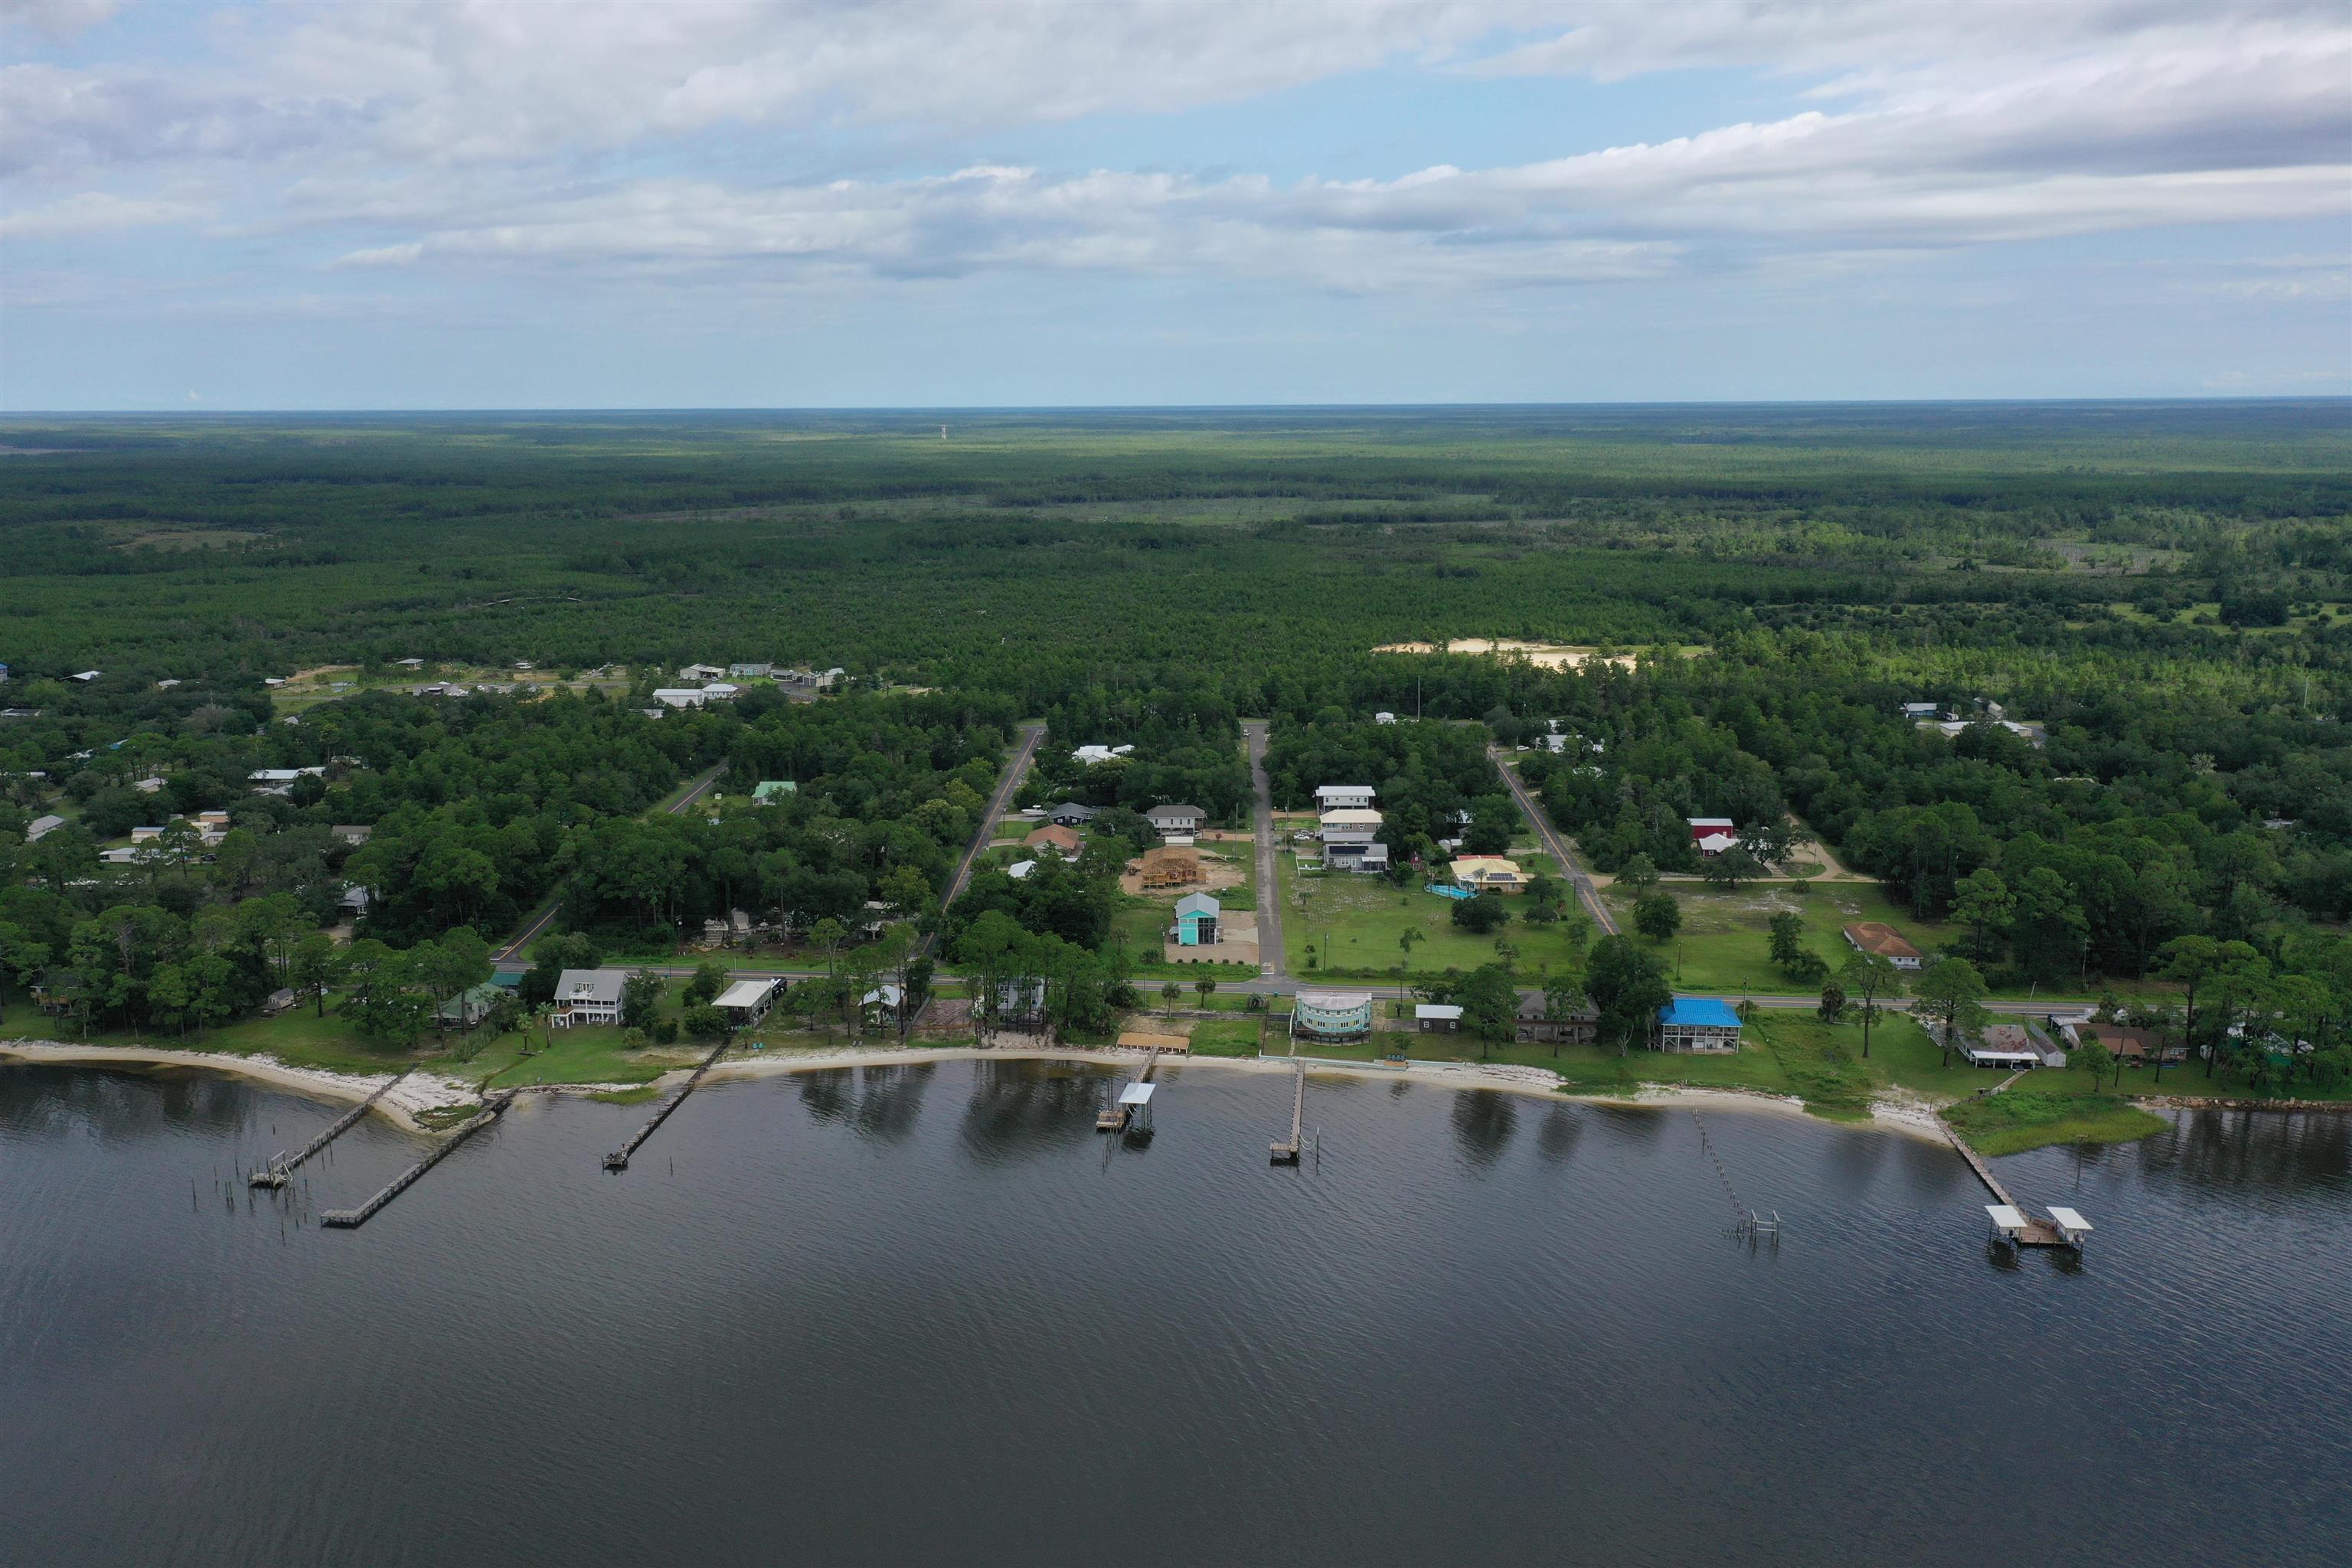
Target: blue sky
(687,204)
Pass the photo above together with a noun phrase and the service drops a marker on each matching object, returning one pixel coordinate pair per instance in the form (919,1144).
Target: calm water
(927,1315)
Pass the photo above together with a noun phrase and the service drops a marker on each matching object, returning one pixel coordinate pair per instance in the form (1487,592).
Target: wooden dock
(1115,1116)
(618,1159)
(2029,1230)
(1286,1152)
(282,1166)
(351,1219)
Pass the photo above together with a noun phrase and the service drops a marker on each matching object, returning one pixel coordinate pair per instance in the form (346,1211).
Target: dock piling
(351,1219)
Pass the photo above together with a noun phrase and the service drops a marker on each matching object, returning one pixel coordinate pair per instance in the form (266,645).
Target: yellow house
(1488,874)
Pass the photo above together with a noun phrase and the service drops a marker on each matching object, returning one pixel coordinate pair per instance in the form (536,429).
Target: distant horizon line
(923,408)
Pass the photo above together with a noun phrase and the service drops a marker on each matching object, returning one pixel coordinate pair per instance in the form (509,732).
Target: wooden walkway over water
(282,1166)
(2031,1231)
(1116,1116)
(351,1219)
(618,1159)
(1285,1152)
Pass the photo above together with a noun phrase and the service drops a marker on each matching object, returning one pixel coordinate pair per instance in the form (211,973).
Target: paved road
(998,804)
(1269,891)
(1554,843)
(549,911)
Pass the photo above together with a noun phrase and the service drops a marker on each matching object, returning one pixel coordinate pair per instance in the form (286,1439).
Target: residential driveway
(1269,893)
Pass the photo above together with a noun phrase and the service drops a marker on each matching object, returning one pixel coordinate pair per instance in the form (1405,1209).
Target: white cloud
(95,212)
(513,136)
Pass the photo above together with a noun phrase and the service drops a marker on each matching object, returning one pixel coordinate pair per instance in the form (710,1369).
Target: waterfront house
(1536,1027)
(2010,1046)
(587,996)
(1697,1023)
(1331,1015)
(1197,915)
(1176,821)
(471,1005)
(1437,1019)
(281,1000)
(1343,798)
(2132,1048)
(880,1007)
(747,1002)
(1488,874)
(1882,940)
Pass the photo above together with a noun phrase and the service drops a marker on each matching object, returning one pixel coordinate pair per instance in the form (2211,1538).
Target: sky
(556,205)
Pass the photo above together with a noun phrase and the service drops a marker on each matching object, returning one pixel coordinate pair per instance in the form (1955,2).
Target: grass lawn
(1725,943)
(1359,919)
(2021,1118)
(1225,1037)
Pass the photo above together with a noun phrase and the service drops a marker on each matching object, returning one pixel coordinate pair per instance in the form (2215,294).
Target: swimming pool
(1448,890)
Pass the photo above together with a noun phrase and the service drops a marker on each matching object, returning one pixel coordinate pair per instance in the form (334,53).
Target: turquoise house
(1196,921)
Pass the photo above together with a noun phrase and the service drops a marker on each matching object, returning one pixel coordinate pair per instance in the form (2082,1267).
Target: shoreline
(418,1091)
(422,1091)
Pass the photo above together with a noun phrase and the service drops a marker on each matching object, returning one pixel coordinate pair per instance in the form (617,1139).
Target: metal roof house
(1070,814)
(1176,821)
(768,790)
(588,996)
(1332,1014)
(1437,1019)
(1697,1023)
(747,1002)
(1343,798)
(1489,873)
(1197,916)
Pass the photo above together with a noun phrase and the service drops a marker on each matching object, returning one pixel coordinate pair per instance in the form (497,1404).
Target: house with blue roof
(1697,1023)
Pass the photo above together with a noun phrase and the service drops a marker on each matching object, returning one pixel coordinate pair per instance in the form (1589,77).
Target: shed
(1437,1019)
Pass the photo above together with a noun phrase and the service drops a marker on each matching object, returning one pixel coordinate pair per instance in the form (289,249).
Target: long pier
(351,1219)
(281,1165)
(1116,1116)
(618,1159)
(2026,1229)
(1285,1152)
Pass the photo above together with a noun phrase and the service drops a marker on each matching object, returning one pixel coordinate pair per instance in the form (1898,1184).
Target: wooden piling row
(1286,1152)
(618,1159)
(281,1166)
(351,1219)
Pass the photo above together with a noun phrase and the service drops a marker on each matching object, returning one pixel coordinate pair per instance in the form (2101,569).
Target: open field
(2023,1119)
(1353,923)
(1724,942)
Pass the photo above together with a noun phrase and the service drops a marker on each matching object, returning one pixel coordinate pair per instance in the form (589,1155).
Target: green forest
(2123,631)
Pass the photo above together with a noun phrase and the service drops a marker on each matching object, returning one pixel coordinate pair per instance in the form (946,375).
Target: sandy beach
(424,1091)
(419,1091)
